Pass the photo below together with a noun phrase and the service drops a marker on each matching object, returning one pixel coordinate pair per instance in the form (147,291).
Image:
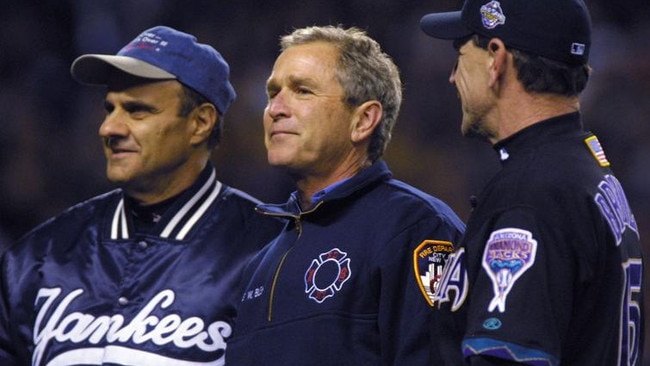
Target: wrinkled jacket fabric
(340,285)
(84,289)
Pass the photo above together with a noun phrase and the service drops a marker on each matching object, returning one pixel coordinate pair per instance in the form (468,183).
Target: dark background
(50,155)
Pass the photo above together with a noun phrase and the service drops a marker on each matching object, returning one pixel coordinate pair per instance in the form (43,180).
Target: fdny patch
(429,259)
(508,254)
(492,15)
(327,274)
(596,150)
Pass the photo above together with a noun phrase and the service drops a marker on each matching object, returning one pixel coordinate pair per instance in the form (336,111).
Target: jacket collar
(378,171)
(538,133)
(180,218)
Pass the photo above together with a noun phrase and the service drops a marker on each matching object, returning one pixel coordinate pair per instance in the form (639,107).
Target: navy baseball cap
(556,29)
(163,53)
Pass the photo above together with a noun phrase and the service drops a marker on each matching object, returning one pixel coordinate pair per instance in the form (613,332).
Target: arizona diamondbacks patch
(429,259)
(508,254)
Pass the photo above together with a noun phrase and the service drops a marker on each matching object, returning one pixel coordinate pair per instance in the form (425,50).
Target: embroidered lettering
(508,254)
(615,208)
(77,327)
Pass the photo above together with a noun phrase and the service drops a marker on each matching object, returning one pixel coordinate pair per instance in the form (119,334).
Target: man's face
(147,145)
(471,78)
(306,123)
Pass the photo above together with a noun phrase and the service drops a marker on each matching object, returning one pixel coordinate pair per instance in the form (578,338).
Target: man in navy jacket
(350,279)
(145,274)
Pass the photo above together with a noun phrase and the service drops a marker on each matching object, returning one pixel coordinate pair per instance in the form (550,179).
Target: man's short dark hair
(542,75)
(190,99)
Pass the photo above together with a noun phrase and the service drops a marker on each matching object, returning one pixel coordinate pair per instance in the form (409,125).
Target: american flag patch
(596,150)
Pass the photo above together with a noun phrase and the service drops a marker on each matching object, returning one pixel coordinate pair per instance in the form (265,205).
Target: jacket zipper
(276,275)
(269,316)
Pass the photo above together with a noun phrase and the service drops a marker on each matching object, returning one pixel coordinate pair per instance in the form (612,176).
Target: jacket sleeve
(7,343)
(405,305)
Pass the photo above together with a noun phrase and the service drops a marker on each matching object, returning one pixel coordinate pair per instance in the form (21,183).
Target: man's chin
(475,131)
(473,134)
(277,159)
(117,177)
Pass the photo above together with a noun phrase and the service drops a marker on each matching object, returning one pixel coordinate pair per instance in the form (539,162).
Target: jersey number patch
(631,314)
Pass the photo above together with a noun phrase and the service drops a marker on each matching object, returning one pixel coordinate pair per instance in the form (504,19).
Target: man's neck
(529,109)
(165,187)
(309,185)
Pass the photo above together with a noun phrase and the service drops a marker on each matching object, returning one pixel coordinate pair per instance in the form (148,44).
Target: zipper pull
(298,226)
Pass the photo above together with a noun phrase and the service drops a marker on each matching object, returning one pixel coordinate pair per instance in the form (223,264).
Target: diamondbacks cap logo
(596,150)
(429,259)
(327,274)
(492,15)
(508,254)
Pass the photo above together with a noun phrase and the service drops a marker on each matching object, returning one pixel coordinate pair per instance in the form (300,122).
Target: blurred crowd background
(50,154)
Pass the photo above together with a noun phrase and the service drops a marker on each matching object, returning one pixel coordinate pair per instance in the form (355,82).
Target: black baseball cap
(556,29)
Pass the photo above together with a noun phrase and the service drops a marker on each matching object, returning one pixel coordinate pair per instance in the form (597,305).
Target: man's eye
(460,42)
(138,114)
(271,93)
(108,108)
(303,91)
(138,110)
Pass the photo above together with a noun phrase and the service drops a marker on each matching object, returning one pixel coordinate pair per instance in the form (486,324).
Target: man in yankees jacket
(142,275)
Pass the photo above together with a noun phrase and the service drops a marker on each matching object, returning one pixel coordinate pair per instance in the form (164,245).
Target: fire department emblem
(429,259)
(327,274)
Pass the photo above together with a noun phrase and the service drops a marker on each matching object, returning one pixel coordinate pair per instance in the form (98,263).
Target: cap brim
(96,69)
(444,25)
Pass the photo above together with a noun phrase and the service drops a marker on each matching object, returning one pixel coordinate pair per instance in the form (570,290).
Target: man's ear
(498,60)
(205,118)
(366,119)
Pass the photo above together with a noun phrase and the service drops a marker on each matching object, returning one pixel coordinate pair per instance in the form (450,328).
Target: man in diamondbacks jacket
(550,270)
(145,274)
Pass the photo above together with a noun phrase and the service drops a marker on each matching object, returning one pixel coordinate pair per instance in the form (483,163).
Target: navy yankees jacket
(84,289)
(349,281)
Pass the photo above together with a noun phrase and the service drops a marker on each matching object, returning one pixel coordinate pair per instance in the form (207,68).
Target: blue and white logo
(492,15)
(508,254)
